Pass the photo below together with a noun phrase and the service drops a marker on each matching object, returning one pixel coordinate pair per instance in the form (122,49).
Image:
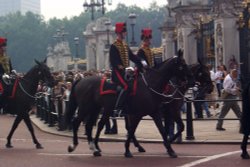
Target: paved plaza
(204,130)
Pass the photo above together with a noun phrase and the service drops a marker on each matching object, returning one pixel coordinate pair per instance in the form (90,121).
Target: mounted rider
(5,69)
(119,56)
(145,52)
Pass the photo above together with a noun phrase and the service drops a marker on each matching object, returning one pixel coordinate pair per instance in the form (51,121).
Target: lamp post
(93,4)
(132,18)
(107,24)
(76,39)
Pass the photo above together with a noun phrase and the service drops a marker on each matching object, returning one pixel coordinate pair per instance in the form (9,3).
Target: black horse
(245,121)
(24,97)
(172,105)
(85,95)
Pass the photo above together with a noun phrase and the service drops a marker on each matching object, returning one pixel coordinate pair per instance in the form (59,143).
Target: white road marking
(209,158)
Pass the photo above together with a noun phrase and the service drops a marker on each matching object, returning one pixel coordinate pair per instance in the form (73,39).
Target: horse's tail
(72,104)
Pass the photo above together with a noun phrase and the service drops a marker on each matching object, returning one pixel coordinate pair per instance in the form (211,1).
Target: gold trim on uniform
(149,56)
(123,50)
(4,60)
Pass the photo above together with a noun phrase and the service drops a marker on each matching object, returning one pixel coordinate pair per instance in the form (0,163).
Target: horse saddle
(109,87)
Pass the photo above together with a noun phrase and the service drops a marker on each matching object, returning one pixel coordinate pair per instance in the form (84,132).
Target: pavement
(204,130)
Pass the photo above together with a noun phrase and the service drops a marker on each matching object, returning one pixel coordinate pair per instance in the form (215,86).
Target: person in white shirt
(231,91)
(218,76)
(211,96)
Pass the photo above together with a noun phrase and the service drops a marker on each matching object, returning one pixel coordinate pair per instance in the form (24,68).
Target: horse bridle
(37,95)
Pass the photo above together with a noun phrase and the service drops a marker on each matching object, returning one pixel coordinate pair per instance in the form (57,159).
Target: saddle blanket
(107,87)
(9,90)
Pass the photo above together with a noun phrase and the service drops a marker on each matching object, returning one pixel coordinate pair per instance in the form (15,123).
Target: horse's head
(202,75)
(177,67)
(44,74)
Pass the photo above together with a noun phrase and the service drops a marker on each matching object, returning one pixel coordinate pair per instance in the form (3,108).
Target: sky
(70,8)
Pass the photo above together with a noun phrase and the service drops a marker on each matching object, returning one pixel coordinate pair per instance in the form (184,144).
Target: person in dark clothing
(5,69)
(199,94)
(245,121)
(145,52)
(119,56)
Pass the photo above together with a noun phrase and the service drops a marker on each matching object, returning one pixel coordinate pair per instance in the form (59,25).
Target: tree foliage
(29,35)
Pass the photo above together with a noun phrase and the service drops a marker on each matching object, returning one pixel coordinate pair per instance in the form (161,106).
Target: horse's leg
(114,129)
(180,129)
(104,119)
(31,129)
(14,126)
(244,153)
(168,124)
(133,123)
(89,127)
(107,126)
(135,141)
(75,126)
(158,122)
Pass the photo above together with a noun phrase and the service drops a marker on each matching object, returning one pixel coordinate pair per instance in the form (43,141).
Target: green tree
(29,35)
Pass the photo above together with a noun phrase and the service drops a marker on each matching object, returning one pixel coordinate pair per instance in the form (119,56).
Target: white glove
(14,72)
(6,76)
(144,63)
(195,88)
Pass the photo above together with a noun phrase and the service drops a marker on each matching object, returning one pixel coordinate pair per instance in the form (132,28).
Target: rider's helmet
(3,42)
(146,33)
(120,27)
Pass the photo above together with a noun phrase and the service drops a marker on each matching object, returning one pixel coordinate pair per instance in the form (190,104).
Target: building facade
(23,6)
(98,36)
(213,31)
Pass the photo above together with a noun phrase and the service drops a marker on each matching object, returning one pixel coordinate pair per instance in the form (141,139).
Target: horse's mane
(31,70)
(157,66)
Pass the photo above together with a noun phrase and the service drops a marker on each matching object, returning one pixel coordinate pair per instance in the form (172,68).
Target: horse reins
(28,94)
(162,94)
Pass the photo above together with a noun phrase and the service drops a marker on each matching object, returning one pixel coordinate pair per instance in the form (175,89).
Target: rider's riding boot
(120,102)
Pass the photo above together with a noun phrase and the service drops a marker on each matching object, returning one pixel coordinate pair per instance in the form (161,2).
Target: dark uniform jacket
(120,54)
(146,54)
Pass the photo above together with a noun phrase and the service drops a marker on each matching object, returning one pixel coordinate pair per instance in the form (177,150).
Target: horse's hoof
(172,154)
(128,155)
(8,145)
(97,154)
(141,150)
(39,146)
(245,156)
(98,149)
(70,149)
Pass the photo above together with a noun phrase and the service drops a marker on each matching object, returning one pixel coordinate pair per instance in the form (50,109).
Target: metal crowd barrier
(51,110)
